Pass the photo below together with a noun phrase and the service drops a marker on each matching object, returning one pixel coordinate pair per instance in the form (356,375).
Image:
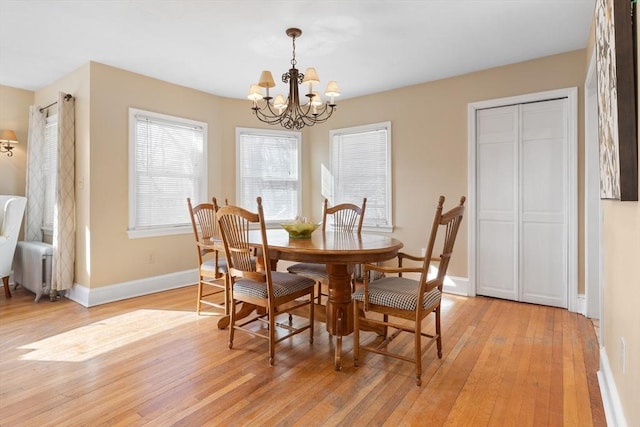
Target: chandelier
(289,113)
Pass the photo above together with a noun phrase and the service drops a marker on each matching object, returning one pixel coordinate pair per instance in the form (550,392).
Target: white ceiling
(220,46)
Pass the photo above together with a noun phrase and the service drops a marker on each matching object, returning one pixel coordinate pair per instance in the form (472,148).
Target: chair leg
(340,320)
(272,334)
(439,340)
(199,300)
(232,323)
(319,292)
(227,300)
(7,291)
(356,333)
(312,310)
(385,328)
(418,350)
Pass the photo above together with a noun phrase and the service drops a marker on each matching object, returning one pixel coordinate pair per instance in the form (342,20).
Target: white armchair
(11,213)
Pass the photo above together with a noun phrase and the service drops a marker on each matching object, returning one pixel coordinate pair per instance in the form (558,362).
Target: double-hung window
(167,164)
(361,167)
(268,165)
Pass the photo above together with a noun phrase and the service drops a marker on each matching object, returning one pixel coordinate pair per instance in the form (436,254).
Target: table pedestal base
(339,307)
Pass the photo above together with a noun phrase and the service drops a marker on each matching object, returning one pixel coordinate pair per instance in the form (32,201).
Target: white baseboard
(90,297)
(581,304)
(609,392)
(452,284)
(456,285)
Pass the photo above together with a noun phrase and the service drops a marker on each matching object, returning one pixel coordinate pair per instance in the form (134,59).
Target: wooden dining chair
(400,299)
(345,218)
(266,289)
(212,266)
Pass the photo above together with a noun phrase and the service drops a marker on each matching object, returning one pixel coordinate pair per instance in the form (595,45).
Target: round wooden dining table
(340,251)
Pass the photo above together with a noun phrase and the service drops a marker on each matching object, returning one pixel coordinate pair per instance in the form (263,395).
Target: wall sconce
(7,137)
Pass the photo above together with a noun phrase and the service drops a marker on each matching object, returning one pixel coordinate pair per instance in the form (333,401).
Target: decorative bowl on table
(299,230)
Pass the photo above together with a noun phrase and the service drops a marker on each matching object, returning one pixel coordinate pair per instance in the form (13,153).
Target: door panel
(496,181)
(542,176)
(543,192)
(496,210)
(521,209)
(543,274)
(497,260)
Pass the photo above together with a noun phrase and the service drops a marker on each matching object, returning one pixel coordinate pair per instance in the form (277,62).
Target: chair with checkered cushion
(399,298)
(342,218)
(212,267)
(276,293)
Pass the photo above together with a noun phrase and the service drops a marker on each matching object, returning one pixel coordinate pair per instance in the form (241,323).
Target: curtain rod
(66,98)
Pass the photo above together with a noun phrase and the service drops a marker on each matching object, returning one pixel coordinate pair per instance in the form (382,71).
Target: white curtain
(63,265)
(35,175)
(64,221)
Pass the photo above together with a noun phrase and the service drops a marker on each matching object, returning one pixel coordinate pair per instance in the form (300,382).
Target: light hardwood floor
(152,361)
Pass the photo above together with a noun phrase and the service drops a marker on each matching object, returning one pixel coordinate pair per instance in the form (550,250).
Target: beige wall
(14,115)
(114,258)
(429,128)
(621,318)
(429,153)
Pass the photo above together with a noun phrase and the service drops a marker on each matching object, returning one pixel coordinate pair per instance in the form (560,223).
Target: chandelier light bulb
(255,94)
(280,103)
(332,89)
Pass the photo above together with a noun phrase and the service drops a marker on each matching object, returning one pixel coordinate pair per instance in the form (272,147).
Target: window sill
(377,229)
(158,232)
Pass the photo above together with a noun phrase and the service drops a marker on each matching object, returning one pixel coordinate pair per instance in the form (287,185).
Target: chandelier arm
(293,116)
(319,117)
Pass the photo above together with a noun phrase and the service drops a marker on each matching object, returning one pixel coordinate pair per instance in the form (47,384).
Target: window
(49,172)
(268,165)
(167,164)
(361,167)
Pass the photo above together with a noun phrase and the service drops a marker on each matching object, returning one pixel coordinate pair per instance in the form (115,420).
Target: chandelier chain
(293,58)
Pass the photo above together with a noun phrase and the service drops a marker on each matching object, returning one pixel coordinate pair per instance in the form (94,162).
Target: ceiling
(220,46)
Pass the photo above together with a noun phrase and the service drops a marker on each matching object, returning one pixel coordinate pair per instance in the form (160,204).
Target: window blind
(361,167)
(168,166)
(268,166)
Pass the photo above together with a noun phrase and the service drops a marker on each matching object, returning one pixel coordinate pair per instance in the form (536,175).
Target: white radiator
(32,267)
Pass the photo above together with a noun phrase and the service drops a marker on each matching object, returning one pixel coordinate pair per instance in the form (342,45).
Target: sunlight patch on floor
(89,341)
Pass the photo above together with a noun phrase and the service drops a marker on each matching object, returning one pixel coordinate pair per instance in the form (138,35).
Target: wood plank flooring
(152,361)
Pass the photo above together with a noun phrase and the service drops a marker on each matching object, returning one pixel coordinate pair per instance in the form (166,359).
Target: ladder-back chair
(212,266)
(346,218)
(408,299)
(263,288)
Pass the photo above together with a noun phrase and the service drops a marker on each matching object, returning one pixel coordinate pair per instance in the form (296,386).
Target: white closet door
(521,209)
(497,178)
(543,206)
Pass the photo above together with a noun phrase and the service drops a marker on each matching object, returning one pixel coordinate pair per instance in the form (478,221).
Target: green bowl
(299,230)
